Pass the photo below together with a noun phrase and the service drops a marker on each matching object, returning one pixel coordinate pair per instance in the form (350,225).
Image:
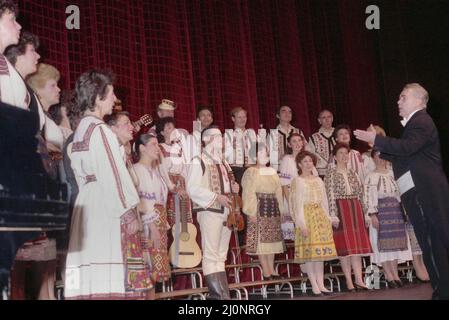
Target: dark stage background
(259,54)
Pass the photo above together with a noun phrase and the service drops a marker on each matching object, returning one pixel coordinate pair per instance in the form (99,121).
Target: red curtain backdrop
(258,54)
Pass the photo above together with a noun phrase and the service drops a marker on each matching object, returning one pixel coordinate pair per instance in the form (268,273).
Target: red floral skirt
(351,236)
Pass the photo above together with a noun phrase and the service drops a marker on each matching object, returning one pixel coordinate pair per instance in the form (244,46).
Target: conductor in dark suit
(417,166)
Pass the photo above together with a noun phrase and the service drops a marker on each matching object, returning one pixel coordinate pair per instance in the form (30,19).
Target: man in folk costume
(321,143)
(285,115)
(417,167)
(121,125)
(208,185)
(238,155)
(238,146)
(166,109)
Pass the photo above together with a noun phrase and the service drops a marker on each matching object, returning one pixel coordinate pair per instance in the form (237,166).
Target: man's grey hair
(419,92)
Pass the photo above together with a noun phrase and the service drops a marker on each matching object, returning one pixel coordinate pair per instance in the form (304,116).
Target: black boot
(224,286)
(214,285)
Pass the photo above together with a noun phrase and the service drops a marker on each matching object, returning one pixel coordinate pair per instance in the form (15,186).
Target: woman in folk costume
(45,84)
(288,171)
(345,195)
(105,258)
(387,231)
(41,251)
(263,204)
(153,198)
(314,242)
(13,92)
(174,162)
(342,134)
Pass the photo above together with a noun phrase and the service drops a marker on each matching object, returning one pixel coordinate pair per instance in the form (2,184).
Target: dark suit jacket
(418,150)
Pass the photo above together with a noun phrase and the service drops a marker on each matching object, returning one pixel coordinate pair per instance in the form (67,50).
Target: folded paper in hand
(405,182)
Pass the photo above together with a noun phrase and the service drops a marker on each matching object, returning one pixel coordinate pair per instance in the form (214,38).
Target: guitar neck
(183,209)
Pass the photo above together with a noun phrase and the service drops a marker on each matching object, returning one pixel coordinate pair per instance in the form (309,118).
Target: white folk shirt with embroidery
(13,90)
(197,183)
(238,156)
(355,163)
(378,186)
(151,188)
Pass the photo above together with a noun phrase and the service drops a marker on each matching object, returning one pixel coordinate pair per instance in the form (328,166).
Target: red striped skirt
(351,236)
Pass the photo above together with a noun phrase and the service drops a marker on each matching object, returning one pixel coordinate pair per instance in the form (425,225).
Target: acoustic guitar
(144,121)
(186,252)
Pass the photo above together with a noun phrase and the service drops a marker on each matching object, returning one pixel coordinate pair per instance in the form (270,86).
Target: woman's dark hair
(142,140)
(26,38)
(73,115)
(294,134)
(338,146)
(160,126)
(301,157)
(89,86)
(340,127)
(67,101)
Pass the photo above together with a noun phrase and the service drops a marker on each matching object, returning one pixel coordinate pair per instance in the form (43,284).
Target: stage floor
(407,292)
